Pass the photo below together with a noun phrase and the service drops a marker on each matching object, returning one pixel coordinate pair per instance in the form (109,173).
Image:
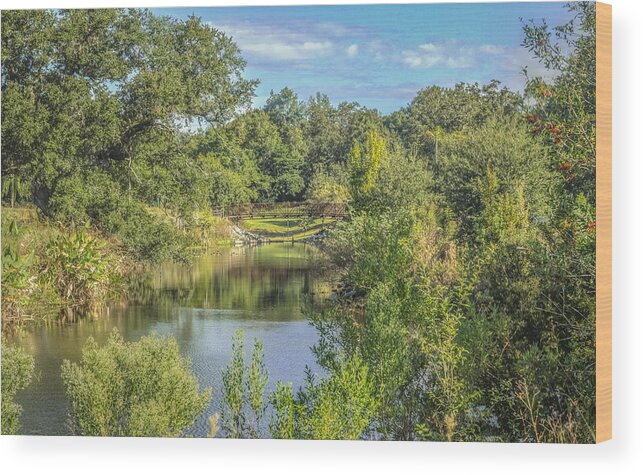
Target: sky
(379,55)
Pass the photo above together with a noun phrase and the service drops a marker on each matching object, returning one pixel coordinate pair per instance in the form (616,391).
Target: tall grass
(45,266)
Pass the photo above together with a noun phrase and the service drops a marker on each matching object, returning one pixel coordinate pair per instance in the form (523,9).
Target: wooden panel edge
(603,222)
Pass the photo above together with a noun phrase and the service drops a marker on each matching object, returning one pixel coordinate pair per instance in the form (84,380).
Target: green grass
(285,228)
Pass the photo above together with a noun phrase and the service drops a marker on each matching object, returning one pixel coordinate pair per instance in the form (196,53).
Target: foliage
(283,423)
(17,371)
(94,105)
(44,266)
(506,147)
(142,388)
(285,107)
(329,187)
(406,323)
(79,267)
(17,268)
(339,407)
(466,308)
(364,165)
(485,310)
(436,111)
(243,391)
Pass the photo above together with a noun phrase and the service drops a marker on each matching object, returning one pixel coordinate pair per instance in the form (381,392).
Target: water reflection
(258,289)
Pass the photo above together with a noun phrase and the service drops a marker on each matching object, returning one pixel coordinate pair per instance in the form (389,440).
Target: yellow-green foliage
(210,231)
(143,388)
(364,164)
(17,371)
(79,266)
(342,406)
(243,391)
(325,188)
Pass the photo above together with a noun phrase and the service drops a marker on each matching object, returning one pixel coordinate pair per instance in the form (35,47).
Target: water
(260,290)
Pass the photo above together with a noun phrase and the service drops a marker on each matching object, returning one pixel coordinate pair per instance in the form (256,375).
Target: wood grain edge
(603,222)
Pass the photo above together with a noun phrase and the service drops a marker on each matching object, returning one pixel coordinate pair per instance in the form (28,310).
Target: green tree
(97,105)
(505,145)
(437,109)
(143,388)
(279,160)
(285,108)
(364,164)
(329,186)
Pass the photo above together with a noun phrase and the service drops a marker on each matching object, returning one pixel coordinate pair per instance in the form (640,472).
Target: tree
(17,371)
(280,161)
(285,108)
(505,145)
(329,187)
(322,134)
(143,388)
(563,111)
(364,164)
(436,110)
(96,105)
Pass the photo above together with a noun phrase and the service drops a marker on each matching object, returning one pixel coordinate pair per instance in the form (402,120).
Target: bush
(17,371)
(243,391)
(144,388)
(341,407)
(17,270)
(79,267)
(504,146)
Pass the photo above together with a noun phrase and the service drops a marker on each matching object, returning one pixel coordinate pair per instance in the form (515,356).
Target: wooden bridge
(291,209)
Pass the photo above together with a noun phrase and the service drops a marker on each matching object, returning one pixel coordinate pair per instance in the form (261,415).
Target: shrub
(150,239)
(341,407)
(17,371)
(17,268)
(79,266)
(243,391)
(143,388)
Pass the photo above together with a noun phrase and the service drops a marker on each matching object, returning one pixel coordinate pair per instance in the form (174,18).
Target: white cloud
(492,49)
(352,50)
(452,55)
(446,55)
(271,43)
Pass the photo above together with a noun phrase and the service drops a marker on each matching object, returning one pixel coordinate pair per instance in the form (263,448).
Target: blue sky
(379,55)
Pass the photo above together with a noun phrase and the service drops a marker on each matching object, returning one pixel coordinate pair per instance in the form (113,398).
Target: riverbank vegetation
(141,389)
(466,308)
(17,372)
(45,266)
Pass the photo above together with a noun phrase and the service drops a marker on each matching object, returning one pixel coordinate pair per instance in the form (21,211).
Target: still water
(261,290)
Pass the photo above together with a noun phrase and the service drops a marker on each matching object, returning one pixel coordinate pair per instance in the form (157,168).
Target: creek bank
(242,237)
